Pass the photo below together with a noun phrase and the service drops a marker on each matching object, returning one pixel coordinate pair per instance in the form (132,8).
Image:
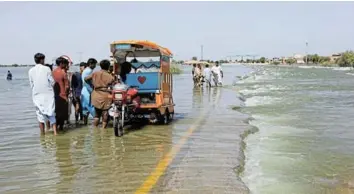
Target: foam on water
(300,146)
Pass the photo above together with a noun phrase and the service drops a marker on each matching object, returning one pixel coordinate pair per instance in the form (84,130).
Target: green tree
(315,58)
(248,60)
(347,59)
(195,58)
(262,59)
(276,62)
(290,61)
(15,65)
(324,59)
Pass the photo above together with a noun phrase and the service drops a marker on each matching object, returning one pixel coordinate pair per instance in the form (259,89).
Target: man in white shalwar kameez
(42,82)
(218,71)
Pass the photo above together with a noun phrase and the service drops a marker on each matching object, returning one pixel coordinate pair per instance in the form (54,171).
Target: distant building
(334,57)
(299,59)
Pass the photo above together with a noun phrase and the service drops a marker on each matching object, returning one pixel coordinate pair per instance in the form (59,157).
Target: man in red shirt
(61,91)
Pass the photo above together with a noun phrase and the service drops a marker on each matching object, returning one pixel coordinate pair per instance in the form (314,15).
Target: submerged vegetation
(175,69)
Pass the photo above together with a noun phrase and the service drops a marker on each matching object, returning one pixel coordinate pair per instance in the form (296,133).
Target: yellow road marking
(160,169)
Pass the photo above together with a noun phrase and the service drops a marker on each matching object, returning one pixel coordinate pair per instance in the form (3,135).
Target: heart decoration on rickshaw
(141,79)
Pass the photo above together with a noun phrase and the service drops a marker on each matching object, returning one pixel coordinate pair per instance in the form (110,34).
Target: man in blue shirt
(87,107)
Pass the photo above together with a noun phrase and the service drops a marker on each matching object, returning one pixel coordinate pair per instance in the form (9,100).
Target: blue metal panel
(144,81)
(147,64)
(123,46)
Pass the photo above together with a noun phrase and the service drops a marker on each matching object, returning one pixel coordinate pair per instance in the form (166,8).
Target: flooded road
(200,152)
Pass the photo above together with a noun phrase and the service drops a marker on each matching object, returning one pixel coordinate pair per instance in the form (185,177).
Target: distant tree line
(346,59)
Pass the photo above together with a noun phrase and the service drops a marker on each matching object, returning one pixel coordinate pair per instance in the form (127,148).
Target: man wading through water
(101,80)
(76,85)
(42,82)
(61,91)
(86,91)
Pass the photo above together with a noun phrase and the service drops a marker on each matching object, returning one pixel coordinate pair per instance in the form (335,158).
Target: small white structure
(299,59)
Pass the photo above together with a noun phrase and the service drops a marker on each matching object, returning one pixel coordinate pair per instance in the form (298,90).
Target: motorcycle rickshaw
(150,82)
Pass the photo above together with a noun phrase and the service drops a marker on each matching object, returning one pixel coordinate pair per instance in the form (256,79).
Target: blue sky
(224,28)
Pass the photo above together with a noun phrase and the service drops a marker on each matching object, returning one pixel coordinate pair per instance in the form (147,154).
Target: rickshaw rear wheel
(118,127)
(172,116)
(164,118)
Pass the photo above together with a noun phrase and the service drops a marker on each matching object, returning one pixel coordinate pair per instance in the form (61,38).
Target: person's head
(92,63)
(83,65)
(126,67)
(207,66)
(39,58)
(217,63)
(62,63)
(8,71)
(105,64)
(199,66)
(194,65)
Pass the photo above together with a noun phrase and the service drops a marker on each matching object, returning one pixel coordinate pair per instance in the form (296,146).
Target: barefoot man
(42,82)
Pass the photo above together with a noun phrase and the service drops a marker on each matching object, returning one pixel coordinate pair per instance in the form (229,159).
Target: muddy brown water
(87,160)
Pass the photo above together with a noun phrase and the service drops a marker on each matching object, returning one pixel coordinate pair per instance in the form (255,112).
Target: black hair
(91,61)
(38,57)
(206,65)
(50,66)
(105,64)
(194,65)
(61,60)
(83,64)
(126,67)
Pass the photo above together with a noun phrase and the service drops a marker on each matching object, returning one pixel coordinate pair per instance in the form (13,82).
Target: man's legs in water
(104,118)
(47,125)
(41,127)
(97,117)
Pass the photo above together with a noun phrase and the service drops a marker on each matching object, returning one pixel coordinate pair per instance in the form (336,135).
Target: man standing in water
(42,82)
(87,107)
(207,75)
(218,73)
(9,75)
(76,85)
(101,80)
(61,91)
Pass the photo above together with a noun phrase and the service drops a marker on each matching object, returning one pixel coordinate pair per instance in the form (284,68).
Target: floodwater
(277,130)
(202,146)
(305,140)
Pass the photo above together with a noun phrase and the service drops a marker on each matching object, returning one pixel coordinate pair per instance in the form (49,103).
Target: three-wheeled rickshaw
(145,67)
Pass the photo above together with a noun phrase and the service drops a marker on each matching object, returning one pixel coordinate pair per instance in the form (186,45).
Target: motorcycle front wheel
(118,127)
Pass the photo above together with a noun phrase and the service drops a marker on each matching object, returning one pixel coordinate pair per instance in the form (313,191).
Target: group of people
(52,90)
(207,75)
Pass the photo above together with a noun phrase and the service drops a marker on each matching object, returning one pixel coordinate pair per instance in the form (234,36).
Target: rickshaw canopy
(138,48)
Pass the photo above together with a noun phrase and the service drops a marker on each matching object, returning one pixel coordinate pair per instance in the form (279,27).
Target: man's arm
(66,83)
(50,77)
(89,77)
